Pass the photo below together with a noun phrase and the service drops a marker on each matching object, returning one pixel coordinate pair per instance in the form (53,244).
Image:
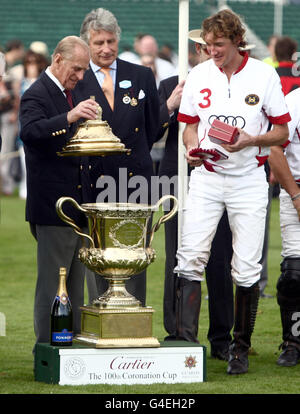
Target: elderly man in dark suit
(218,271)
(128,96)
(48,117)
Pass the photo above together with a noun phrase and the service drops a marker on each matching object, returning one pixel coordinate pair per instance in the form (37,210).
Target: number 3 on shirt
(206,93)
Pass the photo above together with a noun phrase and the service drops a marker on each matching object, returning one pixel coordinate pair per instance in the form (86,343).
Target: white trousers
(245,199)
(290,226)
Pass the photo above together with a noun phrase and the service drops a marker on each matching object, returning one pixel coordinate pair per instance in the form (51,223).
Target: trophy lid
(118,207)
(94,137)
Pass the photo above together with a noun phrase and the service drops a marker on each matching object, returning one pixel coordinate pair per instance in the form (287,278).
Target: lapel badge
(125,84)
(133,102)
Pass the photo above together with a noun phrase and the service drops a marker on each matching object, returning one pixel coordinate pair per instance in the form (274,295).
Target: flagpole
(183,29)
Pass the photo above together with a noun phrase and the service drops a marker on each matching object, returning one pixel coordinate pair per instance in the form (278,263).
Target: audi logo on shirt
(235,121)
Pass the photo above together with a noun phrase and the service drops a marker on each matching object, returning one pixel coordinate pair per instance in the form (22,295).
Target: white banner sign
(168,365)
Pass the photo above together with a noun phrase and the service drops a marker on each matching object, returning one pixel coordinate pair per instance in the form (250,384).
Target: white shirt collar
(55,80)
(95,67)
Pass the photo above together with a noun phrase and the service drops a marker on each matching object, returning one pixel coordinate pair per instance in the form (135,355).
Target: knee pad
(288,284)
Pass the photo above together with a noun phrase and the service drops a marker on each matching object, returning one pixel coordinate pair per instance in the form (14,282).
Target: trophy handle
(165,217)
(70,221)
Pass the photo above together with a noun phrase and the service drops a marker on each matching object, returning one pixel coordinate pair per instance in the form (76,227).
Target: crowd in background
(22,68)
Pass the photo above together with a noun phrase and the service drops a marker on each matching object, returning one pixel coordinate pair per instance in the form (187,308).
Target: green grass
(17,285)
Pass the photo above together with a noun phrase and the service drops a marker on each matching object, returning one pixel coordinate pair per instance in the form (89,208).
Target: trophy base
(116,299)
(92,340)
(117,328)
(92,152)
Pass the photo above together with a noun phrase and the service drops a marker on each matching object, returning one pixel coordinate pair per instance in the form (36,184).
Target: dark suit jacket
(136,126)
(169,164)
(44,131)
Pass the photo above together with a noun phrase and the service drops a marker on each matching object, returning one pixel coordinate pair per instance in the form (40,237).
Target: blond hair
(227,24)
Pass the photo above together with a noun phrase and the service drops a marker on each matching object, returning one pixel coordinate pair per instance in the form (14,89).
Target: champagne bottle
(61,314)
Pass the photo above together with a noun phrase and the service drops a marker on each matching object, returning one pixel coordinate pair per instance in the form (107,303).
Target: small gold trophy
(94,137)
(118,249)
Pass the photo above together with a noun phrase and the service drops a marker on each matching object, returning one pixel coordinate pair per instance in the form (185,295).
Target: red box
(220,132)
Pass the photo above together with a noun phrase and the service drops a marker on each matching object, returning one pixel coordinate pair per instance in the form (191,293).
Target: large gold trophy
(119,247)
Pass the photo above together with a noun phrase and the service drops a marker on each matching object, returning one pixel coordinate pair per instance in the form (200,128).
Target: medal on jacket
(126,99)
(133,102)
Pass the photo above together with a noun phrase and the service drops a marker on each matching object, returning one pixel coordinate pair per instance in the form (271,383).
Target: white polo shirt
(292,151)
(251,99)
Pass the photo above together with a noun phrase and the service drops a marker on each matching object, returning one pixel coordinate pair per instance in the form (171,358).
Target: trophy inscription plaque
(119,247)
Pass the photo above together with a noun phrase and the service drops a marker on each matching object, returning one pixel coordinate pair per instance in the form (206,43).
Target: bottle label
(63,336)
(63,298)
